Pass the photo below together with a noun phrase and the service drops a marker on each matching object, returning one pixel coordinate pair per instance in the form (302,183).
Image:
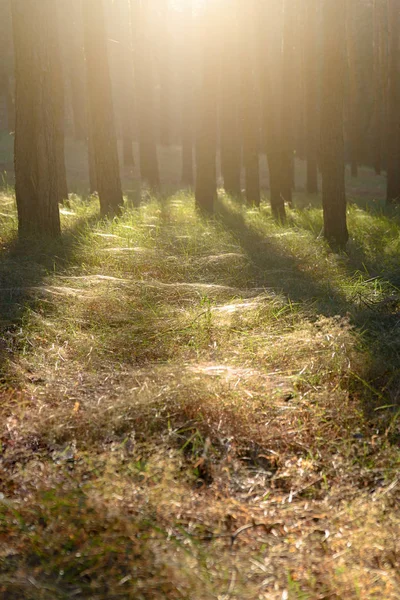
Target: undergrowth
(199,408)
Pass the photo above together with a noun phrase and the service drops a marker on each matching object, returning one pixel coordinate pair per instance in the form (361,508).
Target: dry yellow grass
(185,417)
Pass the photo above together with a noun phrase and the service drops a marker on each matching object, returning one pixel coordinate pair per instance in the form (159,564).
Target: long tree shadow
(282,271)
(24,267)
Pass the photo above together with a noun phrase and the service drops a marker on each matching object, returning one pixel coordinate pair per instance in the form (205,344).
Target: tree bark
(332,143)
(231,146)
(393,142)
(206,144)
(288,94)
(124,68)
(311,91)
(36,132)
(145,93)
(270,59)
(101,113)
(353,79)
(187,100)
(250,108)
(380,25)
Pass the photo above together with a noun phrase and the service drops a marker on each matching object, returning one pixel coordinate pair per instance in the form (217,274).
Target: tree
(393,141)
(287,101)
(206,144)
(354,121)
(37,130)
(187,97)
(7,65)
(123,67)
(164,70)
(70,19)
(231,146)
(380,25)
(332,143)
(101,112)
(250,106)
(311,92)
(270,59)
(145,92)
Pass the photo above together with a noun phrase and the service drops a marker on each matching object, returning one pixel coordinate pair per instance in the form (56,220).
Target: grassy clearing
(199,409)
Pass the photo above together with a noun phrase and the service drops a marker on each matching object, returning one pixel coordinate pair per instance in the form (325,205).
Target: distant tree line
(225,80)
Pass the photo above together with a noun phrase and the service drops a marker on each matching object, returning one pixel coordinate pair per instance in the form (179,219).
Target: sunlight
(199,299)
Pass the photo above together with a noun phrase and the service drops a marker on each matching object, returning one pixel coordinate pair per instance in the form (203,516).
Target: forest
(200,299)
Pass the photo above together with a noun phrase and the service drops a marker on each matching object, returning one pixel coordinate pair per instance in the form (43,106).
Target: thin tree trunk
(145,93)
(270,58)
(311,91)
(206,145)
(36,133)
(353,79)
(332,143)
(187,100)
(250,109)
(380,72)
(164,74)
(288,93)
(231,148)
(393,168)
(71,21)
(101,113)
(125,76)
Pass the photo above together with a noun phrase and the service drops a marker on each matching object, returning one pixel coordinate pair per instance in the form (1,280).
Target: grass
(199,408)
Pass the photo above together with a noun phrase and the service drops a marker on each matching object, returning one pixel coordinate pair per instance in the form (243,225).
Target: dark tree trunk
(187,100)
(206,144)
(250,108)
(270,59)
(354,123)
(380,25)
(124,68)
(231,148)
(311,91)
(71,22)
(7,65)
(164,74)
(145,93)
(36,133)
(101,113)
(393,142)
(332,143)
(288,94)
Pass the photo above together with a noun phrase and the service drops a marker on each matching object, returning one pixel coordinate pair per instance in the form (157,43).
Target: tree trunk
(145,93)
(231,148)
(187,100)
(36,133)
(332,143)
(164,72)
(206,144)
(101,113)
(353,8)
(250,108)
(380,25)
(311,91)
(270,59)
(70,19)
(124,68)
(393,142)
(288,94)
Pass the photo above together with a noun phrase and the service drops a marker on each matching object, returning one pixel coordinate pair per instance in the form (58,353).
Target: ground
(197,409)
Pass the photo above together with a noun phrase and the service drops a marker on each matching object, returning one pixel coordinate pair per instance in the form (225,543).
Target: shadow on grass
(24,266)
(284,272)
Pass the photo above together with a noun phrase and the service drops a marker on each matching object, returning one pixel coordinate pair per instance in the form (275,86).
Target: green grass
(166,380)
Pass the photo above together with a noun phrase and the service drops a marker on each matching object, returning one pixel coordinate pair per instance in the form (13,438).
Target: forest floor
(197,409)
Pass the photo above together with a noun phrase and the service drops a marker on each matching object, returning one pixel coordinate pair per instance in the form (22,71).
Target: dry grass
(168,381)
